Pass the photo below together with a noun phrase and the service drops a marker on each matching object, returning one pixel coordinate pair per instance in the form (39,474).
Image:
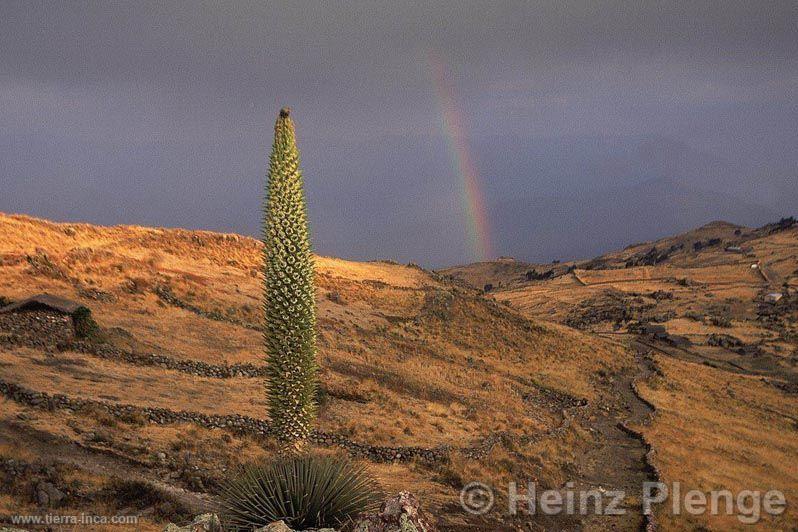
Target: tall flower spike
(289,294)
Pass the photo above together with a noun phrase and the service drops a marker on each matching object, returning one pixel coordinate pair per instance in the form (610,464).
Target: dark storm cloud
(160,113)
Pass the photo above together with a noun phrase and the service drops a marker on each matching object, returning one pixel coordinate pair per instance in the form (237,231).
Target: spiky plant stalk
(289,302)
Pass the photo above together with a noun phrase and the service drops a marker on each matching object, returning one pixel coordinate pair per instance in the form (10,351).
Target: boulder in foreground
(201,523)
(398,514)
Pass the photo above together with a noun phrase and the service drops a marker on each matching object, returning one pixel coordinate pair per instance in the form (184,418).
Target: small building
(44,302)
(82,322)
(773,297)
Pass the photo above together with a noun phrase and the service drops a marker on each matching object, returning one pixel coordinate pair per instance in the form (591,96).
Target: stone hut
(75,316)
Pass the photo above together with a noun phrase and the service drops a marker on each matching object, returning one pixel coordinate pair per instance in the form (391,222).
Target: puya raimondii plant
(304,491)
(289,294)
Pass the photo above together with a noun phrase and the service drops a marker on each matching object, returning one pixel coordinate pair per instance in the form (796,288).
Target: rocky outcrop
(782,225)
(613,306)
(398,514)
(48,496)
(401,513)
(734,344)
(201,523)
(277,526)
(725,341)
(653,256)
(41,482)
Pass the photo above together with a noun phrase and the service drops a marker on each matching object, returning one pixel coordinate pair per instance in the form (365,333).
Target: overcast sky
(161,113)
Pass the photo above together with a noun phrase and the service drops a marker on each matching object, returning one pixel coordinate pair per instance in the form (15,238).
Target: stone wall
(234,422)
(36,328)
(193,367)
(164,292)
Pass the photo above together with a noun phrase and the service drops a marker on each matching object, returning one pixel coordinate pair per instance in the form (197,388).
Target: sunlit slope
(407,357)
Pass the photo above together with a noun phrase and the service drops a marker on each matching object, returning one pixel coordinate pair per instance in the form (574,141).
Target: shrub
(721,321)
(311,491)
(85,326)
(694,315)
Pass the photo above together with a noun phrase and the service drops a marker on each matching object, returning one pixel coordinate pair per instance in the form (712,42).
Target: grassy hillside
(428,380)
(726,395)
(408,360)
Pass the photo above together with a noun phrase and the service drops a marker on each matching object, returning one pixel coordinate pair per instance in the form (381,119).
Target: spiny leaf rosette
(308,491)
(289,294)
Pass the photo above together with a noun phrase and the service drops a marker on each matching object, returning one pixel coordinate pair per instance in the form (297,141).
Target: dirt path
(616,463)
(619,463)
(52,449)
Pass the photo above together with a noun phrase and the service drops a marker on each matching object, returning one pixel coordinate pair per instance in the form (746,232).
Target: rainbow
(472,197)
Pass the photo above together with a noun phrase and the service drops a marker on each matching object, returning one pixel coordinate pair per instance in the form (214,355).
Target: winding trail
(103,463)
(619,461)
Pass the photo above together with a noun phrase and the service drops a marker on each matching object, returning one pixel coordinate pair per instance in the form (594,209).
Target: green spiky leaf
(305,492)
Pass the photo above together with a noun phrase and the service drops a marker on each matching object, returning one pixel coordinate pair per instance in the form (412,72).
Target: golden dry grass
(406,357)
(716,430)
(713,429)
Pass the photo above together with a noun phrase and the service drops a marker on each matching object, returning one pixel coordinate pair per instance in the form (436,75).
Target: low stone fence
(193,367)
(235,423)
(43,330)
(39,328)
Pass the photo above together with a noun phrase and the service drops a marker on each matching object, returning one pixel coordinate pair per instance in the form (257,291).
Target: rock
(277,526)
(201,523)
(398,514)
(47,495)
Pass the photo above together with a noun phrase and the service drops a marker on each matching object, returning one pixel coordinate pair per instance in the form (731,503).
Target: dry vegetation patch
(718,430)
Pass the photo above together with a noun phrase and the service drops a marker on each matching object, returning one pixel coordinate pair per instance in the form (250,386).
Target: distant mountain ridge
(400,196)
(588,223)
